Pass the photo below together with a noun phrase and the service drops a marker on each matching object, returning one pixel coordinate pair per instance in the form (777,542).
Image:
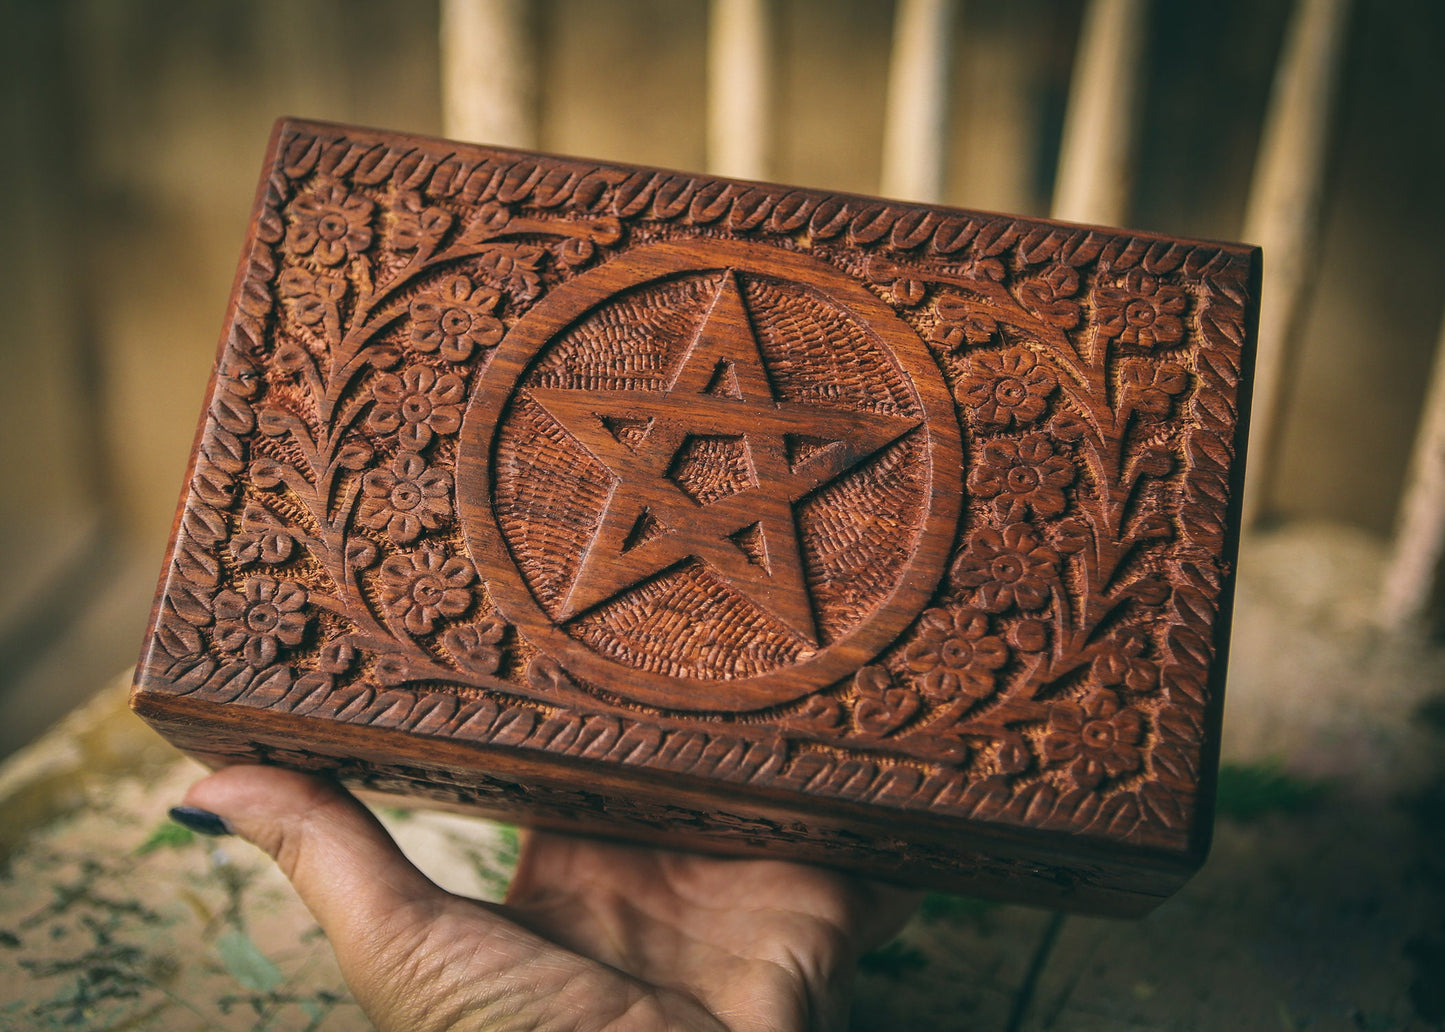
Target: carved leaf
(1163,805)
(232,413)
(672,196)
(830,216)
(912,228)
(307,692)
(214,487)
(558,731)
(204,524)
(634,193)
(598,735)
(637,744)
(710,203)
(790,212)
(375,165)
(749,209)
(270,686)
(518,182)
(680,750)
(870,224)
(805,767)
(178,636)
(953,234)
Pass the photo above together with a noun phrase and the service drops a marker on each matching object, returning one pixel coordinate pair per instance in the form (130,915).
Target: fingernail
(203,821)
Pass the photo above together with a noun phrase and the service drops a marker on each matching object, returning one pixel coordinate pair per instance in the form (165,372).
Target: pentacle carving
(709,478)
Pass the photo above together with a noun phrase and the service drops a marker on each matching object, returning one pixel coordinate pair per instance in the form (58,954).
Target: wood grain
(739,516)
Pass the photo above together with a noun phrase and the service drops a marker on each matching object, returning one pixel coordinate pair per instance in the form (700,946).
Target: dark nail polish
(203,821)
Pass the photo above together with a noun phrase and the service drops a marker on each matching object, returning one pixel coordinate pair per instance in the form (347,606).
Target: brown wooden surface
(739,516)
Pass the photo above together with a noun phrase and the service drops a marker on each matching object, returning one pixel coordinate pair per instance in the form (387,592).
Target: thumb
(416,957)
(350,874)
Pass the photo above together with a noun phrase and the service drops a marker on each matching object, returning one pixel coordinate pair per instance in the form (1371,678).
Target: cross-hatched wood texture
(735,516)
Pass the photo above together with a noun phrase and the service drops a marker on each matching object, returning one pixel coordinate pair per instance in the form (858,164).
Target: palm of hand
(594,935)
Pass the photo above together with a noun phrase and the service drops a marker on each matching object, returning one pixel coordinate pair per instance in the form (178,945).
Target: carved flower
(1149,386)
(337,656)
(955,654)
(416,404)
(515,267)
(1005,387)
(573,251)
(391,670)
(819,713)
(1098,737)
(1022,476)
(405,500)
(330,225)
(1120,662)
(477,648)
(314,297)
(262,538)
(1014,756)
(1072,536)
(454,320)
(1050,295)
(1142,310)
(1008,567)
(419,587)
(258,623)
(415,223)
(882,707)
(960,324)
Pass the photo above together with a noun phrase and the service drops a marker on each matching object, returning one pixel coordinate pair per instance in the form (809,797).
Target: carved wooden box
(740,517)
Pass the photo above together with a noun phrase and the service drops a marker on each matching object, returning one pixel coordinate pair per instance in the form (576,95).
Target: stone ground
(1322,906)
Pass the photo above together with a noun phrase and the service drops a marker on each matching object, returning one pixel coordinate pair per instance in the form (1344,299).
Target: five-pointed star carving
(748,535)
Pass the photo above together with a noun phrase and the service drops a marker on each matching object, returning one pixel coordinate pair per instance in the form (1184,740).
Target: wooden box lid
(735,516)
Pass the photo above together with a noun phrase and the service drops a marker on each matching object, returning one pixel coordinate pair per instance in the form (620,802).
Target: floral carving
(419,588)
(406,499)
(1007,387)
(477,648)
(417,404)
(263,620)
(1120,663)
(515,268)
(1141,311)
(337,656)
(314,297)
(416,223)
(455,319)
(330,224)
(1150,386)
(262,538)
(954,655)
(1097,737)
(1022,477)
(1050,294)
(1007,568)
(882,707)
(961,325)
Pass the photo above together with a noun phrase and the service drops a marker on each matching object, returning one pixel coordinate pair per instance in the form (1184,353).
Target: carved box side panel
(919,509)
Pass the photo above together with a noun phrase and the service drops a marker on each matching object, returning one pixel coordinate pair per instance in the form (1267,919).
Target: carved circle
(619,435)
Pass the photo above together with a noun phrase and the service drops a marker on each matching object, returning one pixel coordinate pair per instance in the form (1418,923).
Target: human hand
(593,935)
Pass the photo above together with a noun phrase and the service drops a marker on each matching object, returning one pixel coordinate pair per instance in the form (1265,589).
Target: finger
(343,864)
(415,957)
